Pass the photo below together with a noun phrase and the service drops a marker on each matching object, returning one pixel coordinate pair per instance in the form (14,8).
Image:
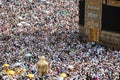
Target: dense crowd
(50,28)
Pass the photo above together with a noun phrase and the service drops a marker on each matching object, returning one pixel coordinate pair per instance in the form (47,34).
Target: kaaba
(99,21)
(111,18)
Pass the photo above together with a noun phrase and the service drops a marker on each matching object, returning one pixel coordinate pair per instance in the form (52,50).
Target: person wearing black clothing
(118,77)
(88,77)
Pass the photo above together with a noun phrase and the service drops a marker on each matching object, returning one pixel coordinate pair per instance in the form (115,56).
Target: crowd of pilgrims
(50,28)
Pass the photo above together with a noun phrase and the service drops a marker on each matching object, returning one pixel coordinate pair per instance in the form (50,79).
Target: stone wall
(110,39)
(83,35)
(107,39)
